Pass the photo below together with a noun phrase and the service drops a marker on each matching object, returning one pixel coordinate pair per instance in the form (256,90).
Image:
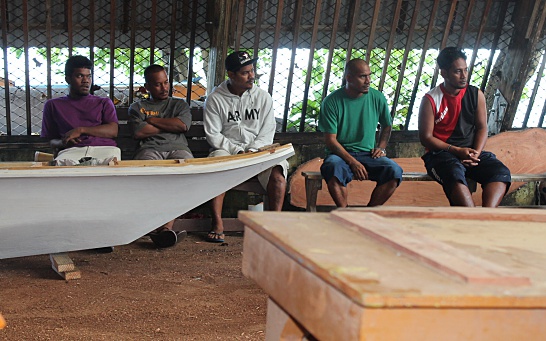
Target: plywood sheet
(374,275)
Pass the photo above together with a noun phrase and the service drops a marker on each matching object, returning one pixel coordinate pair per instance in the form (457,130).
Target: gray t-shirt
(169,108)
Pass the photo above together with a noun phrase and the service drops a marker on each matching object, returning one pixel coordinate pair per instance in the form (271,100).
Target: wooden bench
(195,135)
(520,151)
(313,184)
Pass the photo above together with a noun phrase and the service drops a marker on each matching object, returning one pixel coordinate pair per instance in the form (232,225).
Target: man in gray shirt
(159,123)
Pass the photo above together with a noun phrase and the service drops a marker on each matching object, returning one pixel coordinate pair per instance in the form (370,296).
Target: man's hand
(359,172)
(468,156)
(378,152)
(72,137)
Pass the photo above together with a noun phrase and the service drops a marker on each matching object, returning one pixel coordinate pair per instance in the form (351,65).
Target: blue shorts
(448,170)
(380,170)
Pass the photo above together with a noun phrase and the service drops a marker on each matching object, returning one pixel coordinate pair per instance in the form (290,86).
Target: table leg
(281,326)
(312,186)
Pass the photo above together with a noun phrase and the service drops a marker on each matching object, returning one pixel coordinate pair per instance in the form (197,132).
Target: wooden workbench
(400,273)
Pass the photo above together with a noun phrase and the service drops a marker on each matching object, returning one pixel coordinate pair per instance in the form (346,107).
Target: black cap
(238,59)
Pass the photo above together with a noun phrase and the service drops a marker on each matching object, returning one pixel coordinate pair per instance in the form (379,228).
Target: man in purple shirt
(81,125)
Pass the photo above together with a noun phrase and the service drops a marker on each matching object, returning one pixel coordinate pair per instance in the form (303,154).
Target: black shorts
(448,170)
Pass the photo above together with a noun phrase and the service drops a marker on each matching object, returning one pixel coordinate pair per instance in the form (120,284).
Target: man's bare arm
(384,136)
(426,127)
(108,130)
(156,125)
(481,124)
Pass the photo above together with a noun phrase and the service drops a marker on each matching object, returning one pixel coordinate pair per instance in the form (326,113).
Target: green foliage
(122,59)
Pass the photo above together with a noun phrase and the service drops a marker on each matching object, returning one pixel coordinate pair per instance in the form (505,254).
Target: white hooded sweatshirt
(236,124)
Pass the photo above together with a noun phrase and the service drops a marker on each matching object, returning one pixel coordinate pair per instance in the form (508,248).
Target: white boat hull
(57,209)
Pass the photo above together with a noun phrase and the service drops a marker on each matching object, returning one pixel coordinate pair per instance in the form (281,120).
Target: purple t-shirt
(65,113)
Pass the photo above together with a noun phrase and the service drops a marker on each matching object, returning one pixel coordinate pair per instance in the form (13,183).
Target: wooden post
(219,19)
(518,65)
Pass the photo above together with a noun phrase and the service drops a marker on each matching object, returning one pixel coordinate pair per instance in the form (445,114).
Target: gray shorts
(150,154)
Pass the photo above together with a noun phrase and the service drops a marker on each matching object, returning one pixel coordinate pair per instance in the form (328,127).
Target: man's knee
(277,176)
(335,167)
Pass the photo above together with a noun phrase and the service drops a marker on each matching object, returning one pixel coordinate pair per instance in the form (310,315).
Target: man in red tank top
(453,129)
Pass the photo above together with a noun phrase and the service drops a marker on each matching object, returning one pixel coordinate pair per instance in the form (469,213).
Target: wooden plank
(373,26)
(447,32)
(172,44)
(27,67)
(153,25)
(467,17)
(459,213)
(294,50)
(310,60)
(70,275)
(430,30)
(258,27)
(92,12)
(407,50)
(48,33)
(439,255)
(193,32)
(240,22)
(61,262)
(113,19)
(331,47)
(390,44)
(63,265)
(7,101)
(352,22)
(494,44)
(276,42)
(69,26)
(132,45)
(478,41)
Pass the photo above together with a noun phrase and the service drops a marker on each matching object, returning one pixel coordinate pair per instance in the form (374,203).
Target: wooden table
(400,273)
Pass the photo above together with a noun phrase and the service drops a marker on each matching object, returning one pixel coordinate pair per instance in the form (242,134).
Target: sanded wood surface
(373,274)
(341,284)
(429,251)
(61,262)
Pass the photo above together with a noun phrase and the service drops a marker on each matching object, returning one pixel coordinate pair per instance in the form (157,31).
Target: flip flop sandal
(217,237)
(165,238)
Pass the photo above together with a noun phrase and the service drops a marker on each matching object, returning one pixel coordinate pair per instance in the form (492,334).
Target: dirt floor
(193,291)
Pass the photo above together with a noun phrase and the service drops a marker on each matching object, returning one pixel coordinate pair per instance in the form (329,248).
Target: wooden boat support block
(70,275)
(61,262)
(439,255)
(64,266)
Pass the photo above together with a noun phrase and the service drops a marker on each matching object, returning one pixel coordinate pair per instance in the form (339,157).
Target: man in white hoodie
(239,118)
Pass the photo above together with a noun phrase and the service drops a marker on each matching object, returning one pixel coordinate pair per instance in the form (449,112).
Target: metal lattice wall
(302,45)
